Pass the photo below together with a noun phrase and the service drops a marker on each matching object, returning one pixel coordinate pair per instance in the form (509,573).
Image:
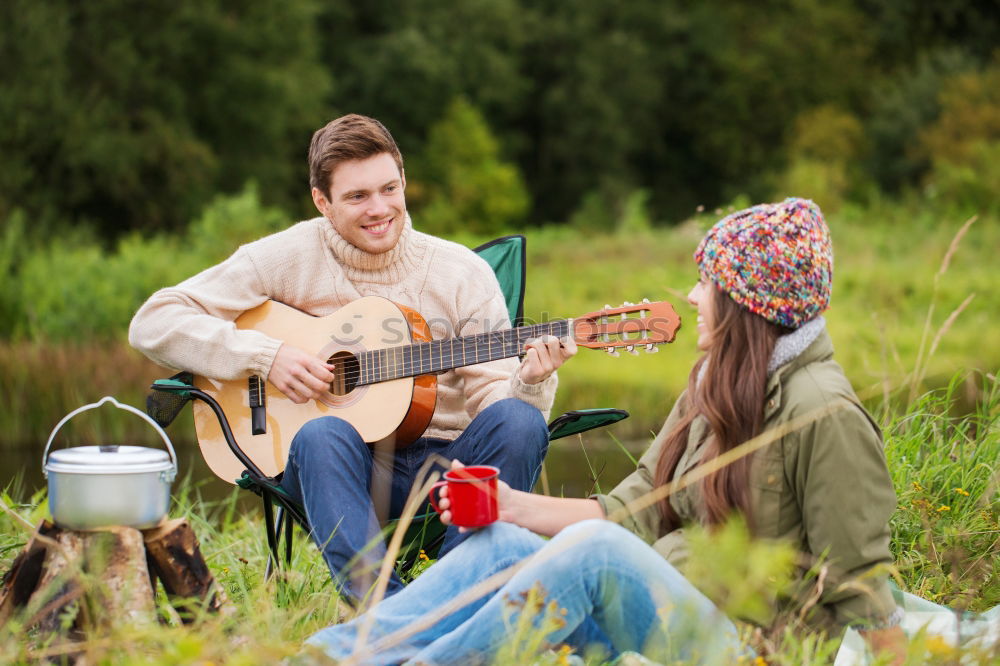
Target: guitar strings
(485,343)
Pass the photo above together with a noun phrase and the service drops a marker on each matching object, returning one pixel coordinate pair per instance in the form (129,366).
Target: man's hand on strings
(299,375)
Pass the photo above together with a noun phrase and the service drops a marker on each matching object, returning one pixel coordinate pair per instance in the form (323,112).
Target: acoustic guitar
(385,367)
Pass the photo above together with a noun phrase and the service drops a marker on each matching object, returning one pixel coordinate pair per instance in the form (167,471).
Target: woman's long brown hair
(730,396)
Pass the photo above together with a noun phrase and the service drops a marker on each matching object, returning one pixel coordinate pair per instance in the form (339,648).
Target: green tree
(404,61)
(465,184)
(132,115)
(903,104)
(824,152)
(600,88)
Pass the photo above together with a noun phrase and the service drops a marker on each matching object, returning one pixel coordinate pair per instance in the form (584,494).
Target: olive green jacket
(823,485)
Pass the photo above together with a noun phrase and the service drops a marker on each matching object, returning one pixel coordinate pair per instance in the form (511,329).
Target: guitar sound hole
(346,370)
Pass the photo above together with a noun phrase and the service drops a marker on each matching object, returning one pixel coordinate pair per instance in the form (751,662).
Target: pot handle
(95,405)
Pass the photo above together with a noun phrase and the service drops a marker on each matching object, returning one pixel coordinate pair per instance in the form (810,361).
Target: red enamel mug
(473,494)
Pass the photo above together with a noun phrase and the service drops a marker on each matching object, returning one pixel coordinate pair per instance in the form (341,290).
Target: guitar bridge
(258,409)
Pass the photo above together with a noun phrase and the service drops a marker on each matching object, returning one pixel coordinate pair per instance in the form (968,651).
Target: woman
(819,480)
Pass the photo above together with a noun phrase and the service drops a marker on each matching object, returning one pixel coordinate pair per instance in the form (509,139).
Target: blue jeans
(330,471)
(610,589)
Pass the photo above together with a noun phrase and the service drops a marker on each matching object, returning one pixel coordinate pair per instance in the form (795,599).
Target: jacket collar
(820,349)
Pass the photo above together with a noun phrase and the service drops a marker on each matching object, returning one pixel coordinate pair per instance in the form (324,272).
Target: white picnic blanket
(941,625)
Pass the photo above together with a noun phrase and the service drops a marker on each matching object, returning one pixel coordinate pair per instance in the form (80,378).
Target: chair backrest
(507,257)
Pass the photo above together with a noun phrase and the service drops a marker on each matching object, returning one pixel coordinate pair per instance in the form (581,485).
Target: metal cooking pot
(100,486)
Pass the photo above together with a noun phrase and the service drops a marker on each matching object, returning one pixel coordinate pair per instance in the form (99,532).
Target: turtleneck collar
(386,268)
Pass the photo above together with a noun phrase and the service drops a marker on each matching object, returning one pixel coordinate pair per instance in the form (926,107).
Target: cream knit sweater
(312,268)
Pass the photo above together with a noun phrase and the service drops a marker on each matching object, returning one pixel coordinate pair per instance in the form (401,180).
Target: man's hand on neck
(544,356)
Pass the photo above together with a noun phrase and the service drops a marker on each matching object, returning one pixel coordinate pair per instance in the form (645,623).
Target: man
(363,244)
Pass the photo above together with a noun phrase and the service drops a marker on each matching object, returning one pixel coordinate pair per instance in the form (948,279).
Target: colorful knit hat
(774,259)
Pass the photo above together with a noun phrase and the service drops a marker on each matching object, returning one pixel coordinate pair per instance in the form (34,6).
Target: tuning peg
(645,300)
(627,303)
(631,350)
(612,352)
(651,348)
(607,307)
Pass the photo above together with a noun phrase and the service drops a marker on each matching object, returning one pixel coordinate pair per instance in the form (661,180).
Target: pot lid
(108,460)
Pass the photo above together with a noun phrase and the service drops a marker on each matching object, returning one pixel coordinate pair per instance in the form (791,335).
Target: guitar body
(395,412)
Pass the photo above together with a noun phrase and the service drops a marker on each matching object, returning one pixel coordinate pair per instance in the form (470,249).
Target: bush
(963,144)
(73,289)
(971,185)
(601,212)
(970,115)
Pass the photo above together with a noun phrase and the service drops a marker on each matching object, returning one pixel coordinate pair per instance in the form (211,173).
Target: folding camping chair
(507,257)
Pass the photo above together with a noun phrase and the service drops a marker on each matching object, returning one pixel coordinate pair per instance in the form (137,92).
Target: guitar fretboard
(380,365)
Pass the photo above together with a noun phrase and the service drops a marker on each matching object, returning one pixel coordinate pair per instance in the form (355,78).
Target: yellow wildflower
(422,555)
(938,647)
(760,661)
(943,507)
(961,491)
(917,486)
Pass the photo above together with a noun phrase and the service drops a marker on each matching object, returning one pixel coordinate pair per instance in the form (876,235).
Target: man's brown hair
(350,137)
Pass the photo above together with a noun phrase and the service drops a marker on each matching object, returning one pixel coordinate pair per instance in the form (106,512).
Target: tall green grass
(946,471)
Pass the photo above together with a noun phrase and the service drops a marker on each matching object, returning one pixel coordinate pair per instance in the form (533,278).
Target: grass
(948,556)
(946,531)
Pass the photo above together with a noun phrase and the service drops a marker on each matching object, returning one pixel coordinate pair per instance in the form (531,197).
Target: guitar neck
(381,365)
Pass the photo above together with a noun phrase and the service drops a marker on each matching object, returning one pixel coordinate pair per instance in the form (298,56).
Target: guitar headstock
(628,327)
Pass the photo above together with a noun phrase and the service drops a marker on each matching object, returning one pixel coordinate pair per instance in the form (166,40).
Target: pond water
(573,468)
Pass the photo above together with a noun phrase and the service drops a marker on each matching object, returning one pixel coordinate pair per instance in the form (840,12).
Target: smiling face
(703,296)
(365,203)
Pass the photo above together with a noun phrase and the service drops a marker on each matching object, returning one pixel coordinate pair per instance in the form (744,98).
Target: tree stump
(65,580)
(61,583)
(175,558)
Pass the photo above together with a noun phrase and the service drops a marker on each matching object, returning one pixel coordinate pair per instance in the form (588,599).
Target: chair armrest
(582,420)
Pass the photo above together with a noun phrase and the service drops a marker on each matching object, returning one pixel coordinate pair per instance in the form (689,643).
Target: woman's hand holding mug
(482,495)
